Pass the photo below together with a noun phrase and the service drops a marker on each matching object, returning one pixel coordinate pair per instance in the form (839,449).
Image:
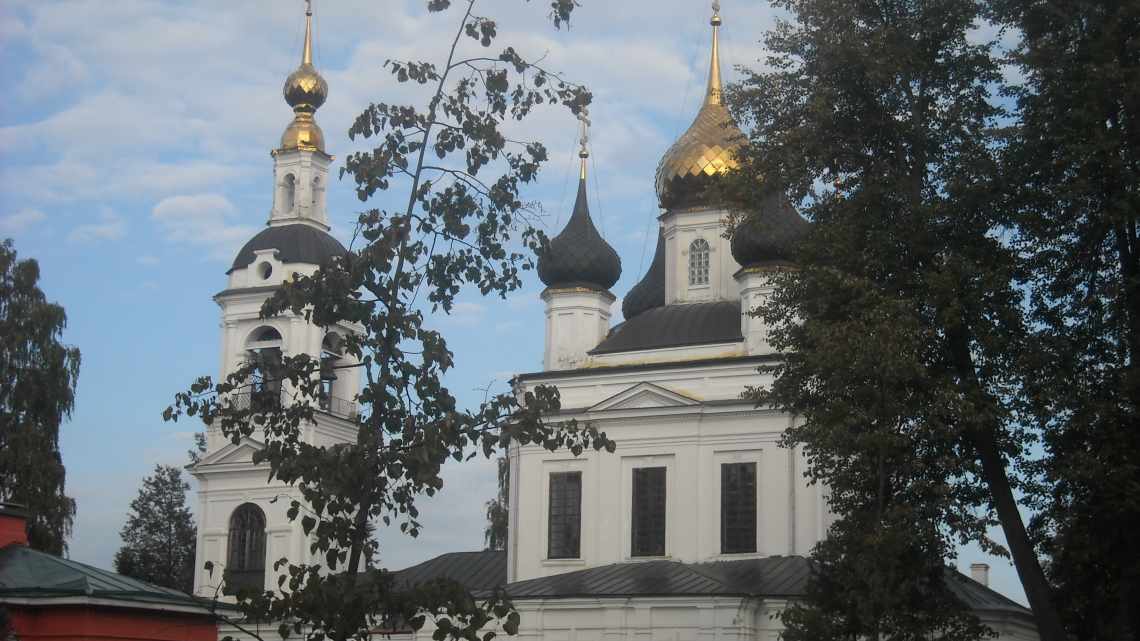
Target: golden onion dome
(305,88)
(303,133)
(707,147)
(305,91)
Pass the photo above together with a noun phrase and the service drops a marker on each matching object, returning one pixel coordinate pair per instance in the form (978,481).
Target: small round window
(265,270)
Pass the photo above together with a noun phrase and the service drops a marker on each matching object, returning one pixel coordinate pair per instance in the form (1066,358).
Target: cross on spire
(713,94)
(583,153)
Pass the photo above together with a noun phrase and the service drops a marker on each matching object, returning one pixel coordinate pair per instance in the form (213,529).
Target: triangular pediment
(643,396)
(241,452)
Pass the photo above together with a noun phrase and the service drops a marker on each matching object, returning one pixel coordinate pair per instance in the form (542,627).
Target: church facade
(696,527)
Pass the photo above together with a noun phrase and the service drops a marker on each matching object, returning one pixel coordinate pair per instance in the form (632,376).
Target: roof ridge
(968,581)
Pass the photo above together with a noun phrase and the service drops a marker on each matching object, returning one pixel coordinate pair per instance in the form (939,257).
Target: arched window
(289,193)
(699,262)
(245,551)
(316,191)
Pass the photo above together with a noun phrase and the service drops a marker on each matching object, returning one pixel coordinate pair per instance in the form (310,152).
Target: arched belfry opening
(288,193)
(336,395)
(245,549)
(263,352)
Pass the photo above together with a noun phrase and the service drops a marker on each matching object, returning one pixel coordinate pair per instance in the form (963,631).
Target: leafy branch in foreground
(457,228)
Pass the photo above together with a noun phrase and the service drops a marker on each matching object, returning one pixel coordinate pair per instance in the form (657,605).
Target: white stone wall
(689,420)
(577,319)
(227,476)
(681,229)
(305,201)
(710,618)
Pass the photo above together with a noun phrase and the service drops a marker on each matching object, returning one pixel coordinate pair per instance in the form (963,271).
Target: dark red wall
(75,623)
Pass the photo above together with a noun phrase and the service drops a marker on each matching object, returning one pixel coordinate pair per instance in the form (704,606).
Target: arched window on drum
(245,549)
(699,262)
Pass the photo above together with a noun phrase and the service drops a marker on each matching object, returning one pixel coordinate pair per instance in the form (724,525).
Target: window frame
(658,525)
(573,551)
(747,498)
(242,571)
(700,251)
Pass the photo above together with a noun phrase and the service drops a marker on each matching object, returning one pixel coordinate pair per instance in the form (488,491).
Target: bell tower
(243,525)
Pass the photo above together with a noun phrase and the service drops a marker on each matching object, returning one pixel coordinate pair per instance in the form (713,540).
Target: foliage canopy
(903,326)
(38,375)
(159,536)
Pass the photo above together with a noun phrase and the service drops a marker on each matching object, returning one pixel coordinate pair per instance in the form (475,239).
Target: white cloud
(111,226)
(466,314)
(19,221)
(202,220)
(147,260)
(57,70)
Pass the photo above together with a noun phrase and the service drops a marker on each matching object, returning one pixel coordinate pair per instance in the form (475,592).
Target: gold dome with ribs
(707,148)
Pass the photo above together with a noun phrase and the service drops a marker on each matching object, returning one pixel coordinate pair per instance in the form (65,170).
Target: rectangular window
(565,516)
(737,508)
(648,526)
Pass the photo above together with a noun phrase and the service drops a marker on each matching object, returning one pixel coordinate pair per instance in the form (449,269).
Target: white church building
(697,527)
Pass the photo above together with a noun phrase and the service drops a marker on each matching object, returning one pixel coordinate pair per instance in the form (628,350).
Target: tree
(499,509)
(159,535)
(454,228)
(1074,163)
(903,324)
(38,374)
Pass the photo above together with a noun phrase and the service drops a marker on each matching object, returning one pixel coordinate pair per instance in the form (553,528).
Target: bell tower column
(243,519)
(300,164)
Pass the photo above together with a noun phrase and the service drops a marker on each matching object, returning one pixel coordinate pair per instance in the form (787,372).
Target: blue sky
(134,161)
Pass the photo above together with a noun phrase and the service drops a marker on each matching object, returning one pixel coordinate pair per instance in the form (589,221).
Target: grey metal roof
(979,597)
(579,255)
(476,571)
(675,325)
(649,292)
(30,574)
(773,576)
(296,243)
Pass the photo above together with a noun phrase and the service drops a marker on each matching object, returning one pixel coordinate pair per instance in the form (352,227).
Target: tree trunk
(983,437)
(1029,571)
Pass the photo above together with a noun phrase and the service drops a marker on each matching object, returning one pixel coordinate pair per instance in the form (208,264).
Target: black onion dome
(768,236)
(296,243)
(579,256)
(650,291)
